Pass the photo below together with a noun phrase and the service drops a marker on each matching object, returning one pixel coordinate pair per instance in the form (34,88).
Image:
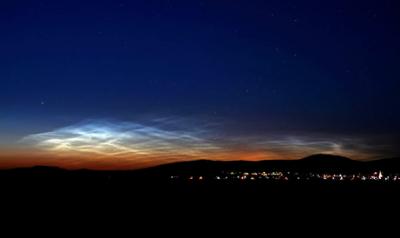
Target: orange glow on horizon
(18,159)
(126,145)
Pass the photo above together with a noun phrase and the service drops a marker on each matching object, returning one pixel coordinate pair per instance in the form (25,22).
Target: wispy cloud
(103,138)
(171,139)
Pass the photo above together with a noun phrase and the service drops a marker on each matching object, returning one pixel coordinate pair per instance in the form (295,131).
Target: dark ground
(149,193)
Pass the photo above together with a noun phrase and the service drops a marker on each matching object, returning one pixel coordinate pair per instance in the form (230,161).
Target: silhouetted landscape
(317,170)
(172,103)
(203,185)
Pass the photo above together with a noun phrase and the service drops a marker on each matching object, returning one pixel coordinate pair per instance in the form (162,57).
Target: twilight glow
(130,84)
(115,144)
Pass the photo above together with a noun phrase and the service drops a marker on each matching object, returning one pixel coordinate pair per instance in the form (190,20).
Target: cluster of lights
(294,176)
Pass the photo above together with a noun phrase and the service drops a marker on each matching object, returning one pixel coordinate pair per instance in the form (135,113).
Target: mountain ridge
(315,161)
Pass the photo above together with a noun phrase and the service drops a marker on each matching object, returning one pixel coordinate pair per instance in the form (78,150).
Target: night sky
(129,84)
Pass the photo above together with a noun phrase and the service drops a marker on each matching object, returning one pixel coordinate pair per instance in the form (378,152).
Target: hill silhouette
(327,158)
(44,175)
(313,162)
(317,163)
(153,184)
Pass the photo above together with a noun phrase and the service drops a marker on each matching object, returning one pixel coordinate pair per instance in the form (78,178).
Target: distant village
(377,176)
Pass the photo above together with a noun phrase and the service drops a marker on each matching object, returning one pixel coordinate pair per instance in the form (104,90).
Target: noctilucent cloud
(130,84)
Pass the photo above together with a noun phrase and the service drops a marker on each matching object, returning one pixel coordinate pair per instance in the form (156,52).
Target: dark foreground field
(51,182)
(91,196)
(158,189)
